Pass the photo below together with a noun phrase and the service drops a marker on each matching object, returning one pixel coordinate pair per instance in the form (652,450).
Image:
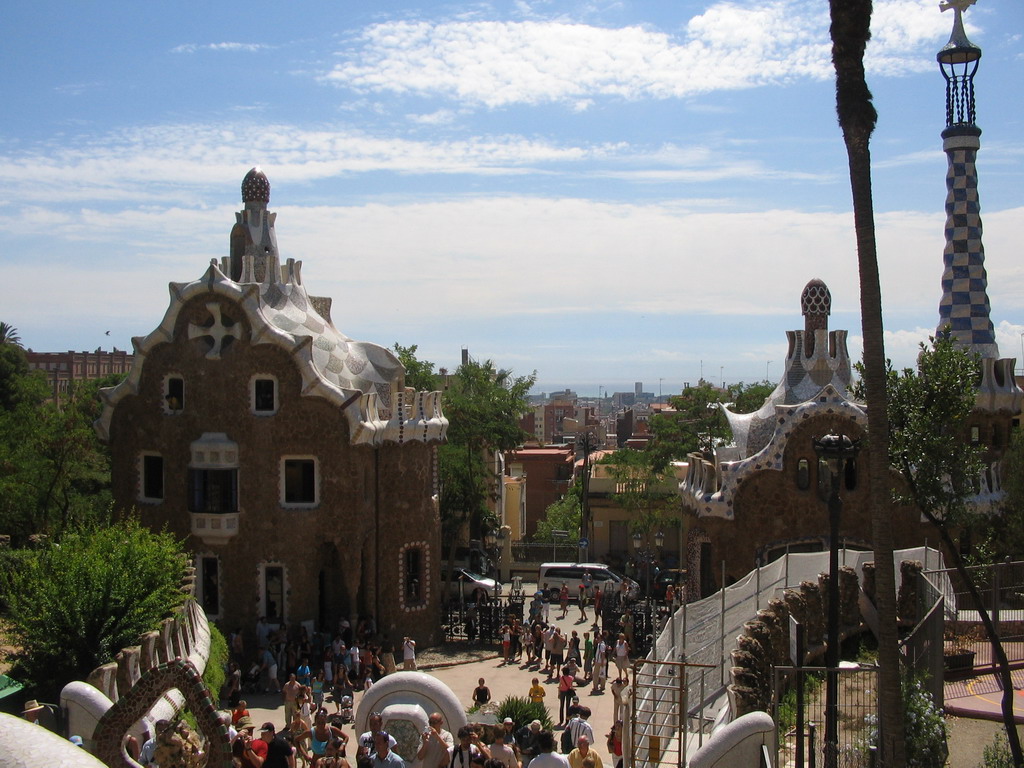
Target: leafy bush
(216,666)
(523,711)
(997,754)
(924,726)
(73,604)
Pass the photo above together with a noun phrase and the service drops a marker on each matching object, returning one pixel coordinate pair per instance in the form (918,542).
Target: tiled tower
(964,310)
(964,307)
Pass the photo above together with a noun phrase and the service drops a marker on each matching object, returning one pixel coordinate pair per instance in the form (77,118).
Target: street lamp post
(646,555)
(835,450)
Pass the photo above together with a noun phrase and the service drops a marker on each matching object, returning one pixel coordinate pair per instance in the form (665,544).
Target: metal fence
(800,735)
(662,727)
(544,552)
(921,650)
(1001,589)
(480,622)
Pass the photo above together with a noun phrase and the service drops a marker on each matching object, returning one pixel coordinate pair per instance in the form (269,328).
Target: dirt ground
(968,739)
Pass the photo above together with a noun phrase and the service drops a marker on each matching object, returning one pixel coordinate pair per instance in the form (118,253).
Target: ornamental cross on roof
(959,5)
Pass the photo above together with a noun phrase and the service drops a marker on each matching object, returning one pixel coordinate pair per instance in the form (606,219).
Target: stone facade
(291,458)
(768,493)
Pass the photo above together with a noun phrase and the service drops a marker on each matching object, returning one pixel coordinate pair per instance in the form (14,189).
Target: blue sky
(603,192)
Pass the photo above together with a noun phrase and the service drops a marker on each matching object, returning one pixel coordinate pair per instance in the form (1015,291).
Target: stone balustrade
(185,634)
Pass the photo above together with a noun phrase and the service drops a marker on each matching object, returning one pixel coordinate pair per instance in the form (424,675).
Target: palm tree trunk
(850,32)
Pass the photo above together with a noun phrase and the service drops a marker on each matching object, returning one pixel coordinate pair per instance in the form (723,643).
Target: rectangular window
(413,575)
(174,394)
(212,491)
(300,481)
(153,477)
(264,395)
(273,593)
(210,585)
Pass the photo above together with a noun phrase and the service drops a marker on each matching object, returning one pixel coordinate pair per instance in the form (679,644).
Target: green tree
(1003,534)
(928,417)
(566,514)
(9,335)
(697,426)
(74,603)
(54,471)
(483,405)
(419,374)
(643,489)
(850,32)
(747,398)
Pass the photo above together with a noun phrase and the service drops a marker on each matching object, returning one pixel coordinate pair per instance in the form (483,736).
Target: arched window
(850,474)
(803,474)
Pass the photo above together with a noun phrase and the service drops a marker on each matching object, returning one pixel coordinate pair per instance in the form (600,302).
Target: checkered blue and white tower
(964,309)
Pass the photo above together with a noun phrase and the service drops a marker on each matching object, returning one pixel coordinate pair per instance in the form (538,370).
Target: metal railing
(544,552)
(662,721)
(1002,591)
(799,735)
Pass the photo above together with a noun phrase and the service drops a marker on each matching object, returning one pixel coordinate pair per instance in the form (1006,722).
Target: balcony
(215,527)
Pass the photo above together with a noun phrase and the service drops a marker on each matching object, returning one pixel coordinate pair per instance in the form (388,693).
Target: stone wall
(765,642)
(183,635)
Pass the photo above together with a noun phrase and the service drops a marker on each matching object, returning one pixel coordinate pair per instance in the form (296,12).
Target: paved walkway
(502,679)
(981,697)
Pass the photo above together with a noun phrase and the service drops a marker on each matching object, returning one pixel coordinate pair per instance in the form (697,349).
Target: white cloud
(730,46)
(227,46)
(170,163)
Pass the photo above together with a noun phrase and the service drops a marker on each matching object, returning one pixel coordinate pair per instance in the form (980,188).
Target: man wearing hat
(279,751)
(33,709)
(527,738)
(510,737)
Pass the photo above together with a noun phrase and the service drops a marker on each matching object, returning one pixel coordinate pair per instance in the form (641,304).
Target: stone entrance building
(291,458)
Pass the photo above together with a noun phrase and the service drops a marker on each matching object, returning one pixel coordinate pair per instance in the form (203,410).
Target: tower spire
(964,308)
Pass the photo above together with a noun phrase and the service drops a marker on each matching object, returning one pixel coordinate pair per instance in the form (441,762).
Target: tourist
(334,756)
(588,655)
(382,756)
(366,740)
(582,751)
(469,747)
(565,694)
(563,599)
(436,744)
(580,726)
(622,657)
(481,694)
(502,752)
(408,654)
(290,695)
(615,744)
(546,756)
(527,739)
(317,689)
(304,673)
(583,602)
(322,734)
(537,692)
(558,643)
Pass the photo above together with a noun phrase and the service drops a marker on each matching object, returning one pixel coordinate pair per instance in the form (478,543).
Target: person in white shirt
(579,727)
(366,742)
(468,747)
(409,654)
(547,757)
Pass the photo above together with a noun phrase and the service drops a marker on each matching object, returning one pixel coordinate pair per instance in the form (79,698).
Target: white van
(554,575)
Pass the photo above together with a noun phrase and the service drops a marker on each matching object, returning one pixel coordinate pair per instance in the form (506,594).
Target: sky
(602,192)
